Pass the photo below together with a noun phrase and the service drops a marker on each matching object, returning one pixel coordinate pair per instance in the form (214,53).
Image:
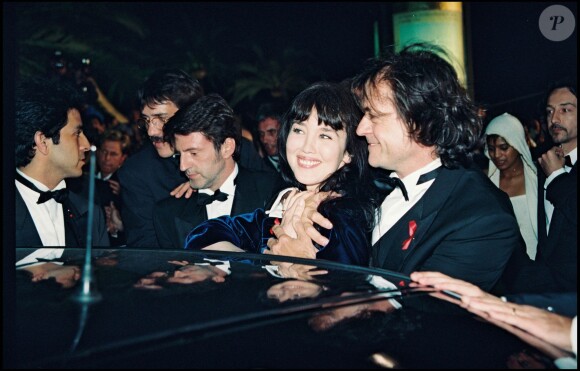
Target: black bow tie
(205,199)
(568,161)
(59,195)
(390,183)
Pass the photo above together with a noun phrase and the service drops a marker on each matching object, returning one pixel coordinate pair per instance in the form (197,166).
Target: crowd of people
(377,170)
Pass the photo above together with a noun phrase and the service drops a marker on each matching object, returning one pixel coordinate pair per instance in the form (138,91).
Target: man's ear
(40,142)
(228,148)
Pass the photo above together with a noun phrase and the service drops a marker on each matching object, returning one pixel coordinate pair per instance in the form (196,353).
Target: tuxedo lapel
(75,213)
(546,249)
(191,215)
(542,233)
(551,239)
(26,233)
(246,194)
(391,254)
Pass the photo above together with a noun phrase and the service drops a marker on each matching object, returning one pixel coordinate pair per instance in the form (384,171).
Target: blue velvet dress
(349,239)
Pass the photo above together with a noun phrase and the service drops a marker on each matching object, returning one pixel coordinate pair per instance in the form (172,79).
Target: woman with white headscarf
(512,170)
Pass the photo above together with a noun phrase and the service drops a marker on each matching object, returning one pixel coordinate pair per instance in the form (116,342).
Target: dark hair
(269,110)
(170,84)
(569,85)
(210,115)
(336,108)
(113,135)
(429,99)
(42,104)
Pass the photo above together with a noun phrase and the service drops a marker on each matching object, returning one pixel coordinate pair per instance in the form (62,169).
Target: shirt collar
(573,155)
(411,180)
(40,185)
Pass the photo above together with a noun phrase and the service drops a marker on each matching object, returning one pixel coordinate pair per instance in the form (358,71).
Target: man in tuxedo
(151,174)
(421,124)
(206,139)
(558,214)
(111,154)
(51,146)
(555,267)
(442,212)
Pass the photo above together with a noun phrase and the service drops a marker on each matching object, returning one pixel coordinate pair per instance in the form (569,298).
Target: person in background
(268,129)
(249,156)
(512,169)
(114,149)
(153,173)
(556,266)
(558,188)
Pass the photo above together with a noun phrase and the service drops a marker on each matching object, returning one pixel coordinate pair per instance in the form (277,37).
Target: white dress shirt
(395,206)
(48,219)
(218,208)
(100,176)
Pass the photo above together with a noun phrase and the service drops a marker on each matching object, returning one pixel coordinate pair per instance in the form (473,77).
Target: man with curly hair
(442,212)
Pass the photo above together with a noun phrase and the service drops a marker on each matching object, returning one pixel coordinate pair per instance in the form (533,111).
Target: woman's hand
(284,244)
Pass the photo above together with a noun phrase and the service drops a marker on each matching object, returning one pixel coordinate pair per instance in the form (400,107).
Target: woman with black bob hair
(319,152)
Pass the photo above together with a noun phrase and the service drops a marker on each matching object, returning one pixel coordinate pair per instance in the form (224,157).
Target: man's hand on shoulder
(181,190)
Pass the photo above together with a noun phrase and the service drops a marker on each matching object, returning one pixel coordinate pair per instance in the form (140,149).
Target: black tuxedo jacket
(27,235)
(466,228)
(145,179)
(555,268)
(558,249)
(174,217)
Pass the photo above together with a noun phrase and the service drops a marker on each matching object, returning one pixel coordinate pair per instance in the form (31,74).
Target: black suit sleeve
(163,223)
(563,194)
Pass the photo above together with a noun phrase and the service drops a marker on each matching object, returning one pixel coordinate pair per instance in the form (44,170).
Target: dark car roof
(334,320)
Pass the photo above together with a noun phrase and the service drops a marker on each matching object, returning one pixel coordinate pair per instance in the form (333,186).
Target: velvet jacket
(349,239)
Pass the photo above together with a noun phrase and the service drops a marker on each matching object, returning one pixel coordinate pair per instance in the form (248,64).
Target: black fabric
(429,176)
(205,199)
(390,183)
(60,195)
(465,228)
(568,161)
(72,233)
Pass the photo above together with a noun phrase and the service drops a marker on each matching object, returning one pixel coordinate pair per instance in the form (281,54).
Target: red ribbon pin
(412,229)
